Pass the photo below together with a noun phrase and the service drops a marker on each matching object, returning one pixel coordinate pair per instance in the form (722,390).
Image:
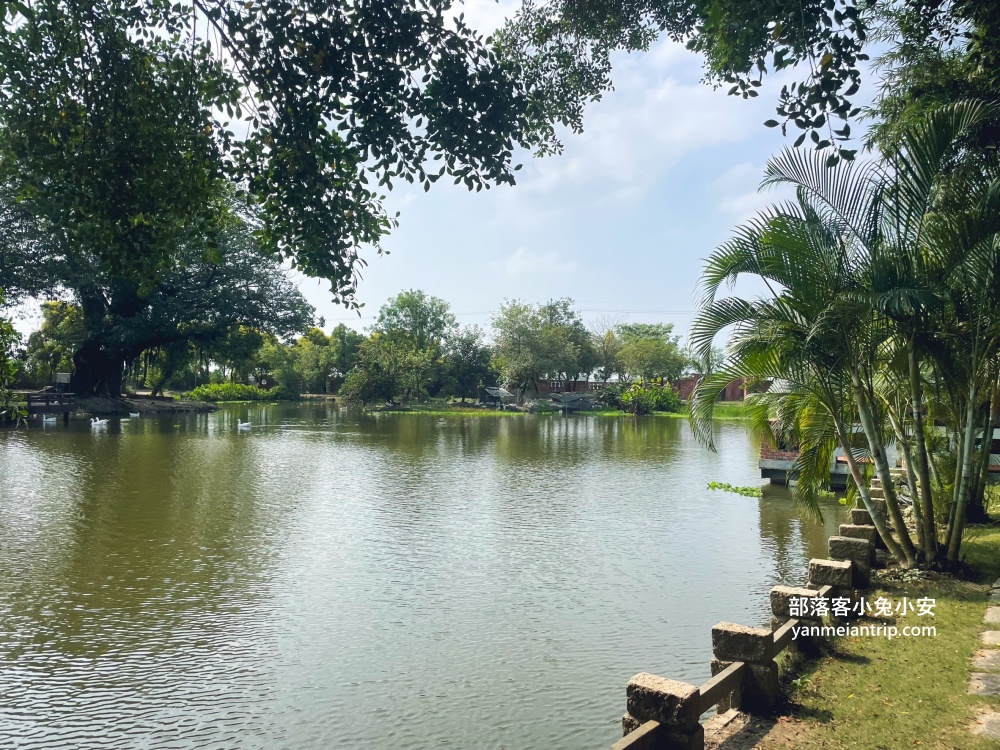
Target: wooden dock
(51,403)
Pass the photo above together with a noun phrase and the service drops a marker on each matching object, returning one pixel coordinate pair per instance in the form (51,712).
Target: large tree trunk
(98,372)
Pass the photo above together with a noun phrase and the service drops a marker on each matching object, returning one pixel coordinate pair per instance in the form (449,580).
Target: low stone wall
(664,714)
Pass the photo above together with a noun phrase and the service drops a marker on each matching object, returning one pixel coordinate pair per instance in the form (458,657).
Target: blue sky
(620,222)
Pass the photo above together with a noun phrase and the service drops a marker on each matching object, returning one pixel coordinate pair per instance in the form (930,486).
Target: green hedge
(641,398)
(233,392)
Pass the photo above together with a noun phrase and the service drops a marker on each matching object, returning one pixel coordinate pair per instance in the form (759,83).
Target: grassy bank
(870,692)
(439,407)
(731,410)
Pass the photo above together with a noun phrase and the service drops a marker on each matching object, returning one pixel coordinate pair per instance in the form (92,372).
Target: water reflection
(331,578)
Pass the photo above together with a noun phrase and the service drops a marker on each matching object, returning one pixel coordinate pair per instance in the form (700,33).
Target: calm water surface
(337,580)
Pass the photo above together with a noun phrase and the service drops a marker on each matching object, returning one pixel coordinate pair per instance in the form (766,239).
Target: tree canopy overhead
(564,48)
(117,118)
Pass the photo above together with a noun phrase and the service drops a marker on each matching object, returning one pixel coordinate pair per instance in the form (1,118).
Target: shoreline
(122,406)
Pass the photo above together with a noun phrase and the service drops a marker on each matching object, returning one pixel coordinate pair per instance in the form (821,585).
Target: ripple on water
(334,580)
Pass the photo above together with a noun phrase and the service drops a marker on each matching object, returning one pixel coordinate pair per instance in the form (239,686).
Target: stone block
(861,517)
(760,691)
(987,725)
(830,573)
(728,702)
(996,584)
(986,660)
(857,531)
(992,616)
(693,739)
(858,552)
(991,638)
(983,683)
(876,492)
(731,642)
(878,505)
(781,602)
(670,702)
(629,723)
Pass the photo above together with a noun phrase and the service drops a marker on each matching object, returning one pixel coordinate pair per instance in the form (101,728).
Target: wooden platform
(51,403)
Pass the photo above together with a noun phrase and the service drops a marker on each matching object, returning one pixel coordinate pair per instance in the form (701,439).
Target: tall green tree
(200,301)
(651,351)
(388,367)
(51,348)
(545,341)
(424,320)
(125,129)
(467,362)
(560,320)
(344,343)
(9,338)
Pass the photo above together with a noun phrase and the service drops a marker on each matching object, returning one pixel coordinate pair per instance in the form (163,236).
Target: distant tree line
(415,349)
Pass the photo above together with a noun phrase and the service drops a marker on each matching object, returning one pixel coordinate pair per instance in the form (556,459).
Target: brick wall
(769,453)
(735,391)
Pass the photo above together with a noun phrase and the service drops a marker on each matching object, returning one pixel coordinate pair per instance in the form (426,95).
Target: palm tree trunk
(911,476)
(882,467)
(922,466)
(859,481)
(962,497)
(980,514)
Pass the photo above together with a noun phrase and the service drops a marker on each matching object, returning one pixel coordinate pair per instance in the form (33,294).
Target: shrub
(641,398)
(233,392)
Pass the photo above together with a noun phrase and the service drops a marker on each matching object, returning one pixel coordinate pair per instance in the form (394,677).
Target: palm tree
(873,265)
(810,334)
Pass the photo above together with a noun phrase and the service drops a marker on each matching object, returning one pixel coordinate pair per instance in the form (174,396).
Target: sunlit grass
(908,692)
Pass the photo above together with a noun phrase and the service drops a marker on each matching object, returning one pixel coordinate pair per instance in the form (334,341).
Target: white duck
(242,425)
(133,415)
(95,422)
(48,418)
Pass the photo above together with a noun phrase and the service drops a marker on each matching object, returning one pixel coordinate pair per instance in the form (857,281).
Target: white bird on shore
(95,422)
(133,415)
(242,425)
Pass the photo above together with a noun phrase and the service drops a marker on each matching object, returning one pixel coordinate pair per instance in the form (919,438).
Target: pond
(335,579)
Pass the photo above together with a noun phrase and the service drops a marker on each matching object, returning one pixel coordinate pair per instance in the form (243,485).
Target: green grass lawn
(909,692)
(727,410)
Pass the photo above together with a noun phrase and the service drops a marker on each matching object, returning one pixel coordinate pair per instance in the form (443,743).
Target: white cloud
(658,114)
(485,16)
(739,196)
(523,262)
